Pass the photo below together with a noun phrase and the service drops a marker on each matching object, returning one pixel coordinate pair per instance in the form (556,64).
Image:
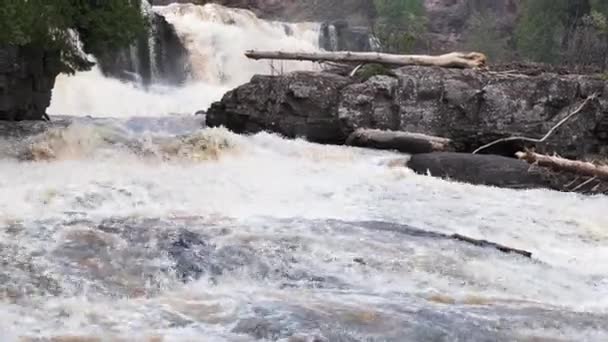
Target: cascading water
(136,228)
(216,38)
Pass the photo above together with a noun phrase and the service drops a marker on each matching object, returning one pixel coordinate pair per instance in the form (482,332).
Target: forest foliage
(572,32)
(60,25)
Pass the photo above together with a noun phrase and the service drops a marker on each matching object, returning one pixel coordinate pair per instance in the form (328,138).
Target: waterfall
(191,57)
(216,37)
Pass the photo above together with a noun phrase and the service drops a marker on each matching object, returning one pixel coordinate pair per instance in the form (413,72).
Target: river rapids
(138,223)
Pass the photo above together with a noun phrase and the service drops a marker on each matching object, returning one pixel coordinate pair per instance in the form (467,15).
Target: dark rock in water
(470,107)
(192,255)
(478,169)
(259,328)
(300,104)
(27,77)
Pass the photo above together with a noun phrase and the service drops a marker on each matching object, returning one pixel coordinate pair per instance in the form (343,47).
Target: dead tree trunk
(411,143)
(565,165)
(450,60)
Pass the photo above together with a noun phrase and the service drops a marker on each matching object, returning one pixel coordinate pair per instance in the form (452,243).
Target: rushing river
(155,228)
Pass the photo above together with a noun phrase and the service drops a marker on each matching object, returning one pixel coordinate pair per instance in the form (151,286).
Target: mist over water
(140,224)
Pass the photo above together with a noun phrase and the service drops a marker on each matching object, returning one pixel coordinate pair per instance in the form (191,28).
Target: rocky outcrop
(469,107)
(297,104)
(27,77)
(158,56)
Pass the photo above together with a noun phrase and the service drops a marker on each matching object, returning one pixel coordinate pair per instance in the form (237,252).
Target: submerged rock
(470,107)
(479,169)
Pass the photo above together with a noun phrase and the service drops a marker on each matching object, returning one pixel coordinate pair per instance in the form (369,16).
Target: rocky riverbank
(472,108)
(469,107)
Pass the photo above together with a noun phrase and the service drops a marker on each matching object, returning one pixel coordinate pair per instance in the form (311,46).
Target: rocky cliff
(27,77)
(470,107)
(157,56)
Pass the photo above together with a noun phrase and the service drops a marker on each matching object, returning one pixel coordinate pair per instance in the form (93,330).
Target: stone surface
(472,108)
(157,56)
(478,169)
(27,77)
(299,104)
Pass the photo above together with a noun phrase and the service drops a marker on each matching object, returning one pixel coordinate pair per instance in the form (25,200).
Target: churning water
(145,226)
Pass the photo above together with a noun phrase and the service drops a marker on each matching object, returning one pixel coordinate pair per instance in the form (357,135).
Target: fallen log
(405,142)
(565,165)
(450,60)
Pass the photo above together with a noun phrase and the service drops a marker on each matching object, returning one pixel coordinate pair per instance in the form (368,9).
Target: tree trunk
(565,165)
(411,143)
(450,60)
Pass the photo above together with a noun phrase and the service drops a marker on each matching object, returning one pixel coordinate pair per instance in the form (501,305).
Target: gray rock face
(27,77)
(298,104)
(157,56)
(470,107)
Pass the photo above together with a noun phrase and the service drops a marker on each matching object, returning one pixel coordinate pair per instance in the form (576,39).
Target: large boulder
(470,107)
(301,104)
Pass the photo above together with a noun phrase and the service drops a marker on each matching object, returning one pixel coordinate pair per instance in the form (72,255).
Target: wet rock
(478,169)
(301,104)
(258,328)
(191,255)
(472,108)
(27,77)
(156,56)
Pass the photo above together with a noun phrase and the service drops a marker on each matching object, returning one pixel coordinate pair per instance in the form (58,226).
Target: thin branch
(551,131)
(355,70)
(588,181)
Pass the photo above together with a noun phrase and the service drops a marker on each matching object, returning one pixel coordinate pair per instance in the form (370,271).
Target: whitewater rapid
(141,224)
(146,227)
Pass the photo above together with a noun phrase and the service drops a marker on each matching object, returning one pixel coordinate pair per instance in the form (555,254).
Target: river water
(140,224)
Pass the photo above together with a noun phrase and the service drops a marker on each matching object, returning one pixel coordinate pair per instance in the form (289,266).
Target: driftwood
(565,165)
(411,143)
(416,232)
(450,60)
(489,244)
(544,138)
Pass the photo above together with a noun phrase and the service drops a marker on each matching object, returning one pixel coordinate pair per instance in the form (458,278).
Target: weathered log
(411,143)
(565,165)
(450,60)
